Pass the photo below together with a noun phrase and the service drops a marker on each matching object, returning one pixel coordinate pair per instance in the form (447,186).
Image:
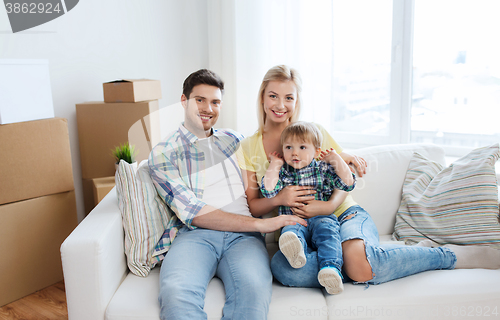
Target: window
(432,76)
(362,66)
(456,73)
(374,72)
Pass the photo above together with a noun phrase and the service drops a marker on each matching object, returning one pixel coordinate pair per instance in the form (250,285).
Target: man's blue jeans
(320,234)
(388,262)
(240,260)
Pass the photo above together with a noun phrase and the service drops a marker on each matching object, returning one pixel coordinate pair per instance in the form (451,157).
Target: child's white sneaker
(293,249)
(331,279)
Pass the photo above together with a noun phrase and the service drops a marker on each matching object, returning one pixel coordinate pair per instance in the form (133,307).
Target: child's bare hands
(323,153)
(275,157)
(329,155)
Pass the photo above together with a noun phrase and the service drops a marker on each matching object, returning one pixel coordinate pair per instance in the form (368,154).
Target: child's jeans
(321,235)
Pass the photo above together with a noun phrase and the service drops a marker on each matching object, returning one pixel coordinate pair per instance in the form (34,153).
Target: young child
(301,143)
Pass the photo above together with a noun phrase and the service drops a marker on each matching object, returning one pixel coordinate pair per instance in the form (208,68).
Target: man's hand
(295,196)
(273,224)
(211,218)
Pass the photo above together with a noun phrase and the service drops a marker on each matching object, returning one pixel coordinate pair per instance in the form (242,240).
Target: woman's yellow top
(252,157)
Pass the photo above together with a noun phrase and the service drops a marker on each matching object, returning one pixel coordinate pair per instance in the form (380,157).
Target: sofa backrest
(379,191)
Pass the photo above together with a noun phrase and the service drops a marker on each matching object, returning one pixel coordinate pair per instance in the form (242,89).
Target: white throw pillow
(144,216)
(457,204)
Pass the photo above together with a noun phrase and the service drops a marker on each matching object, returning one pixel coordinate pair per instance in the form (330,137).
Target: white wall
(100,41)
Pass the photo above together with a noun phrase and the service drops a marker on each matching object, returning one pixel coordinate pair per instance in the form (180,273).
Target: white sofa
(99,285)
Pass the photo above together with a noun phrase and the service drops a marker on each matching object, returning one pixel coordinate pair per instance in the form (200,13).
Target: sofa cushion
(379,191)
(430,295)
(137,298)
(144,215)
(457,204)
(297,303)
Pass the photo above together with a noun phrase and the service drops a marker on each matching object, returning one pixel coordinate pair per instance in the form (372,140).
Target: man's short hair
(202,76)
(304,131)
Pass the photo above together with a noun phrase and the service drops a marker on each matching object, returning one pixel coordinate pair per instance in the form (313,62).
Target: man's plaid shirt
(318,174)
(177,168)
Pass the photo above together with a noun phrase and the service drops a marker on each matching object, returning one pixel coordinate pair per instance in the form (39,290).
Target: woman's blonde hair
(303,131)
(279,73)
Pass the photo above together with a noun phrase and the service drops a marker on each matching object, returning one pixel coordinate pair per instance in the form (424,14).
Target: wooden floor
(49,303)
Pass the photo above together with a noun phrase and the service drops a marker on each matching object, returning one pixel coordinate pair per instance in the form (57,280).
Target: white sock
(471,257)
(293,249)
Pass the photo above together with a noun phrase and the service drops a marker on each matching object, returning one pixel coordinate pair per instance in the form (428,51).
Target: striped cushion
(457,204)
(144,216)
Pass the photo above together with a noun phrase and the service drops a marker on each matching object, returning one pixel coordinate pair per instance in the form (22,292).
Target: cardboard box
(103,126)
(31,234)
(35,159)
(25,92)
(94,190)
(88,195)
(102,186)
(132,90)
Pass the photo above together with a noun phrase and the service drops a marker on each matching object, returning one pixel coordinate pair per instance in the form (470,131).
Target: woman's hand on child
(311,209)
(359,163)
(295,196)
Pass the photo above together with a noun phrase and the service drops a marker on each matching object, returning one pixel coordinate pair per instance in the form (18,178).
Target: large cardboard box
(32,232)
(35,159)
(103,126)
(25,92)
(131,90)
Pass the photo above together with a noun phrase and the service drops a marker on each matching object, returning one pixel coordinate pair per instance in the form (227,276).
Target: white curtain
(247,37)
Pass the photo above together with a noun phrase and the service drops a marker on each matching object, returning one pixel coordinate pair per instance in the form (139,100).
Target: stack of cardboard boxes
(129,113)
(37,205)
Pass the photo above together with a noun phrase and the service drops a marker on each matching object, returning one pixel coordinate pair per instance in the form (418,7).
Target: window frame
(400,85)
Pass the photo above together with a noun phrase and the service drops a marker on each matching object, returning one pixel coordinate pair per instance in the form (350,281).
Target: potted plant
(125,152)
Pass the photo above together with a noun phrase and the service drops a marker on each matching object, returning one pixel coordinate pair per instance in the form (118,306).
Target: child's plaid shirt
(318,174)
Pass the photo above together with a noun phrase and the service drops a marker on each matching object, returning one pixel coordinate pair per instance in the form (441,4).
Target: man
(212,233)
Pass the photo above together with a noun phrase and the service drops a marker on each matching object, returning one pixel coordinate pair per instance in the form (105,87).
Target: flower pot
(133,164)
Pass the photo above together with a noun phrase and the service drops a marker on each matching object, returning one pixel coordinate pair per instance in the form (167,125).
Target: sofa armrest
(94,262)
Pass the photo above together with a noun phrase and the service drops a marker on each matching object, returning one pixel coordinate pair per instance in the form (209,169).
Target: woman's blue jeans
(387,262)
(240,260)
(322,235)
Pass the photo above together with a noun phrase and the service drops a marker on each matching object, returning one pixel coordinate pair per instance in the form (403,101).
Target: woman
(279,104)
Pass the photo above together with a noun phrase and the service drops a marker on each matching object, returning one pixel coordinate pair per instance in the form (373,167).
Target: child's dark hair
(202,76)
(305,131)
